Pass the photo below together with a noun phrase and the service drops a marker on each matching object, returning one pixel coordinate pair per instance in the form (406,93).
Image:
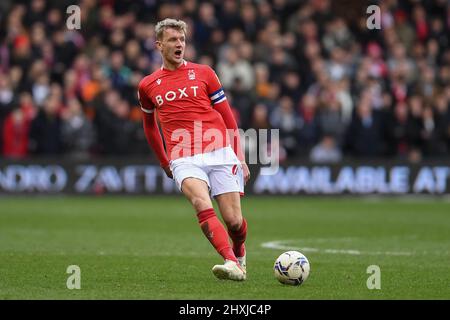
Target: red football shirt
(184,99)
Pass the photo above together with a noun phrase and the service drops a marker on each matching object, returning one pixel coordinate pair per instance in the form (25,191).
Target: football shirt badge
(191,74)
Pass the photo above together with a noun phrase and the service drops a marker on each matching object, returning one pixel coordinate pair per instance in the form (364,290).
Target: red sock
(238,238)
(216,233)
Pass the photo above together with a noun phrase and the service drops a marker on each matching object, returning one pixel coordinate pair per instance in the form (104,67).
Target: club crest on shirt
(191,74)
(158,81)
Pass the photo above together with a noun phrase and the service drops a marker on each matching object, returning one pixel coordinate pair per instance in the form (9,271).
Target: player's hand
(168,171)
(246,172)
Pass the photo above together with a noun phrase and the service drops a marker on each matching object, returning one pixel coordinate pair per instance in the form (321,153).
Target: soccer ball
(292,268)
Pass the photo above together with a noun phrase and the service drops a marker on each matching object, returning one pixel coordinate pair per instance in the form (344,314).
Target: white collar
(184,62)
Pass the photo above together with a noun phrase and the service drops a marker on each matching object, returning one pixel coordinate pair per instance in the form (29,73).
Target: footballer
(202,151)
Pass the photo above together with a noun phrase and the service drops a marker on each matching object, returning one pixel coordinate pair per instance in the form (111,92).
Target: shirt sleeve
(215,90)
(146,104)
(154,139)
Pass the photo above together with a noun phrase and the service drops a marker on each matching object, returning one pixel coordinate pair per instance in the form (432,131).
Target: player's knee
(200,204)
(234,223)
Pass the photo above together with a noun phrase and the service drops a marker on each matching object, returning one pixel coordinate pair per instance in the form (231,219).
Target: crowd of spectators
(332,86)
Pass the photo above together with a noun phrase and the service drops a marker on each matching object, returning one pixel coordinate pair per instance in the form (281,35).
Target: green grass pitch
(152,248)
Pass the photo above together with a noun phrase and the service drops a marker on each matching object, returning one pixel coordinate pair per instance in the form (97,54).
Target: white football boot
(230,270)
(242,262)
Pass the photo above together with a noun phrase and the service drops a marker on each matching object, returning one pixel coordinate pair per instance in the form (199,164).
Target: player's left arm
(221,105)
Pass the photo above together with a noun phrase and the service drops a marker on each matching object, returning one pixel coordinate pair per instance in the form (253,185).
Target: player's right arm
(151,130)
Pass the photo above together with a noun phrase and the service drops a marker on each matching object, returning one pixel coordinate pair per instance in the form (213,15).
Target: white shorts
(220,169)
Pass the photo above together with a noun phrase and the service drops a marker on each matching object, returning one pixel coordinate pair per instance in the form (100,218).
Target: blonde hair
(169,23)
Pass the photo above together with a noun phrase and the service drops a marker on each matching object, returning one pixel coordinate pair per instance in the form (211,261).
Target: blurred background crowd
(310,68)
